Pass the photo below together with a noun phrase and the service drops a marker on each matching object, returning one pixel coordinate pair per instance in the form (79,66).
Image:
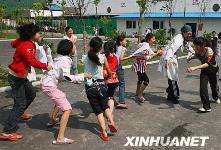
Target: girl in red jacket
(23,92)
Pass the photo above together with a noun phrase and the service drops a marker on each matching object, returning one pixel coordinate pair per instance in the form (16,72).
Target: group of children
(103,73)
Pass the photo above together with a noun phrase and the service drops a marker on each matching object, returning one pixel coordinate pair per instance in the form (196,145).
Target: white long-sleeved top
(144,51)
(171,50)
(44,56)
(60,72)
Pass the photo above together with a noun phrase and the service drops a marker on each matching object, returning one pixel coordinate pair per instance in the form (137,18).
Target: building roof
(54,7)
(174,15)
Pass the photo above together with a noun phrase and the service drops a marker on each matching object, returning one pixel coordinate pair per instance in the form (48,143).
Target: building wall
(209,25)
(130,6)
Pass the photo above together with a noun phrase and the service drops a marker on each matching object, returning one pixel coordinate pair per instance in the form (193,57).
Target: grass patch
(3,77)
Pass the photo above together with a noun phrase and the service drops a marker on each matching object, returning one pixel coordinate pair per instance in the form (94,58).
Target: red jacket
(24,57)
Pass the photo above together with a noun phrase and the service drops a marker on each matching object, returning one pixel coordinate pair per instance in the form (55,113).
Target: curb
(37,83)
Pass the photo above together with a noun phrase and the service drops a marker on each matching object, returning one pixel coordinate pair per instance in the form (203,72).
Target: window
(158,25)
(131,24)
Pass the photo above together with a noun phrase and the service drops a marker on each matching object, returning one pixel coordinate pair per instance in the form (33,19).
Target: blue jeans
(74,67)
(120,73)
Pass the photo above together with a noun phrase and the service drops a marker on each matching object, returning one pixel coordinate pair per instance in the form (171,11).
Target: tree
(62,24)
(18,16)
(96,2)
(49,3)
(37,8)
(81,7)
(143,8)
(2,13)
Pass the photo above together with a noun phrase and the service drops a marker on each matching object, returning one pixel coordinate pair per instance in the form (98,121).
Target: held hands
(168,63)
(190,69)
(49,67)
(89,76)
(159,52)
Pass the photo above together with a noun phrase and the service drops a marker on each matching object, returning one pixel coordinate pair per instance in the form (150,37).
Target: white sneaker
(216,101)
(204,110)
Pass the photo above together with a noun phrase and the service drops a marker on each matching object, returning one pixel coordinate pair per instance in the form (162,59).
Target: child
(22,90)
(70,36)
(142,55)
(111,81)
(61,71)
(209,72)
(96,89)
(120,52)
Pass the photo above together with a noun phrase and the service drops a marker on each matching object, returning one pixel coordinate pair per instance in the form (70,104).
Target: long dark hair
(149,36)
(109,47)
(120,39)
(201,41)
(95,47)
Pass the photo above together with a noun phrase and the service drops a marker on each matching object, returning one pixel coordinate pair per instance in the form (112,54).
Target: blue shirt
(118,53)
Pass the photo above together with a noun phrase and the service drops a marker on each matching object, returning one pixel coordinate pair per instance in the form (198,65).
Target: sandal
(26,116)
(64,142)
(112,127)
(103,137)
(141,99)
(10,137)
(55,122)
(122,106)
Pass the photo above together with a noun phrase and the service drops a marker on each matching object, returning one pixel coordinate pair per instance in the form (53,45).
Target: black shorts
(97,96)
(111,87)
(142,77)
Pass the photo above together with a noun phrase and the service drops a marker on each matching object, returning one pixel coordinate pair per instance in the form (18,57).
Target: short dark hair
(65,47)
(149,36)
(120,39)
(27,31)
(67,28)
(109,47)
(214,32)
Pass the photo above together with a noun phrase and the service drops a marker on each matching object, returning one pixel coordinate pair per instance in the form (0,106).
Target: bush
(161,37)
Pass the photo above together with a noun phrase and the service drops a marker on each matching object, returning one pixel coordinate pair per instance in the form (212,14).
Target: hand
(190,69)
(89,76)
(160,52)
(168,63)
(49,67)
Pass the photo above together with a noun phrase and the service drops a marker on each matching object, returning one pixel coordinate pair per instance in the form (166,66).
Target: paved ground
(156,117)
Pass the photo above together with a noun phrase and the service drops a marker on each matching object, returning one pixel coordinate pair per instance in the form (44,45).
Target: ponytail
(95,47)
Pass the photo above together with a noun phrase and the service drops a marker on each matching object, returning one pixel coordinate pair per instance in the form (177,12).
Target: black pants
(97,96)
(173,90)
(111,87)
(23,94)
(212,78)
(143,78)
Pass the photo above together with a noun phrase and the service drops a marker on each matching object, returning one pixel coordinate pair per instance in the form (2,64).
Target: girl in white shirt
(60,72)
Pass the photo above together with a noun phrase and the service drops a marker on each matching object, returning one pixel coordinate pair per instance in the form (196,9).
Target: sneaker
(216,101)
(204,110)
(141,99)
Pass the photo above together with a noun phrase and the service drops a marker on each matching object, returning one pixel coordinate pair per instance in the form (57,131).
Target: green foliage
(112,35)
(207,35)
(18,16)
(161,38)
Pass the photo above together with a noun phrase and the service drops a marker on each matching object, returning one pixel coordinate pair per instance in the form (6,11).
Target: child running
(23,92)
(143,54)
(111,81)
(61,71)
(209,72)
(120,52)
(96,88)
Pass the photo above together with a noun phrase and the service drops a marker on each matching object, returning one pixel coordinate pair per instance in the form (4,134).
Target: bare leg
(111,105)
(101,121)
(63,125)
(138,88)
(54,113)
(141,92)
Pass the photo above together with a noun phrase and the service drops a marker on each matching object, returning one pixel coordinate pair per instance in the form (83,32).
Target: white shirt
(60,72)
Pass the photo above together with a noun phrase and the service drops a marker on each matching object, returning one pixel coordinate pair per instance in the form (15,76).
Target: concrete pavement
(156,117)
